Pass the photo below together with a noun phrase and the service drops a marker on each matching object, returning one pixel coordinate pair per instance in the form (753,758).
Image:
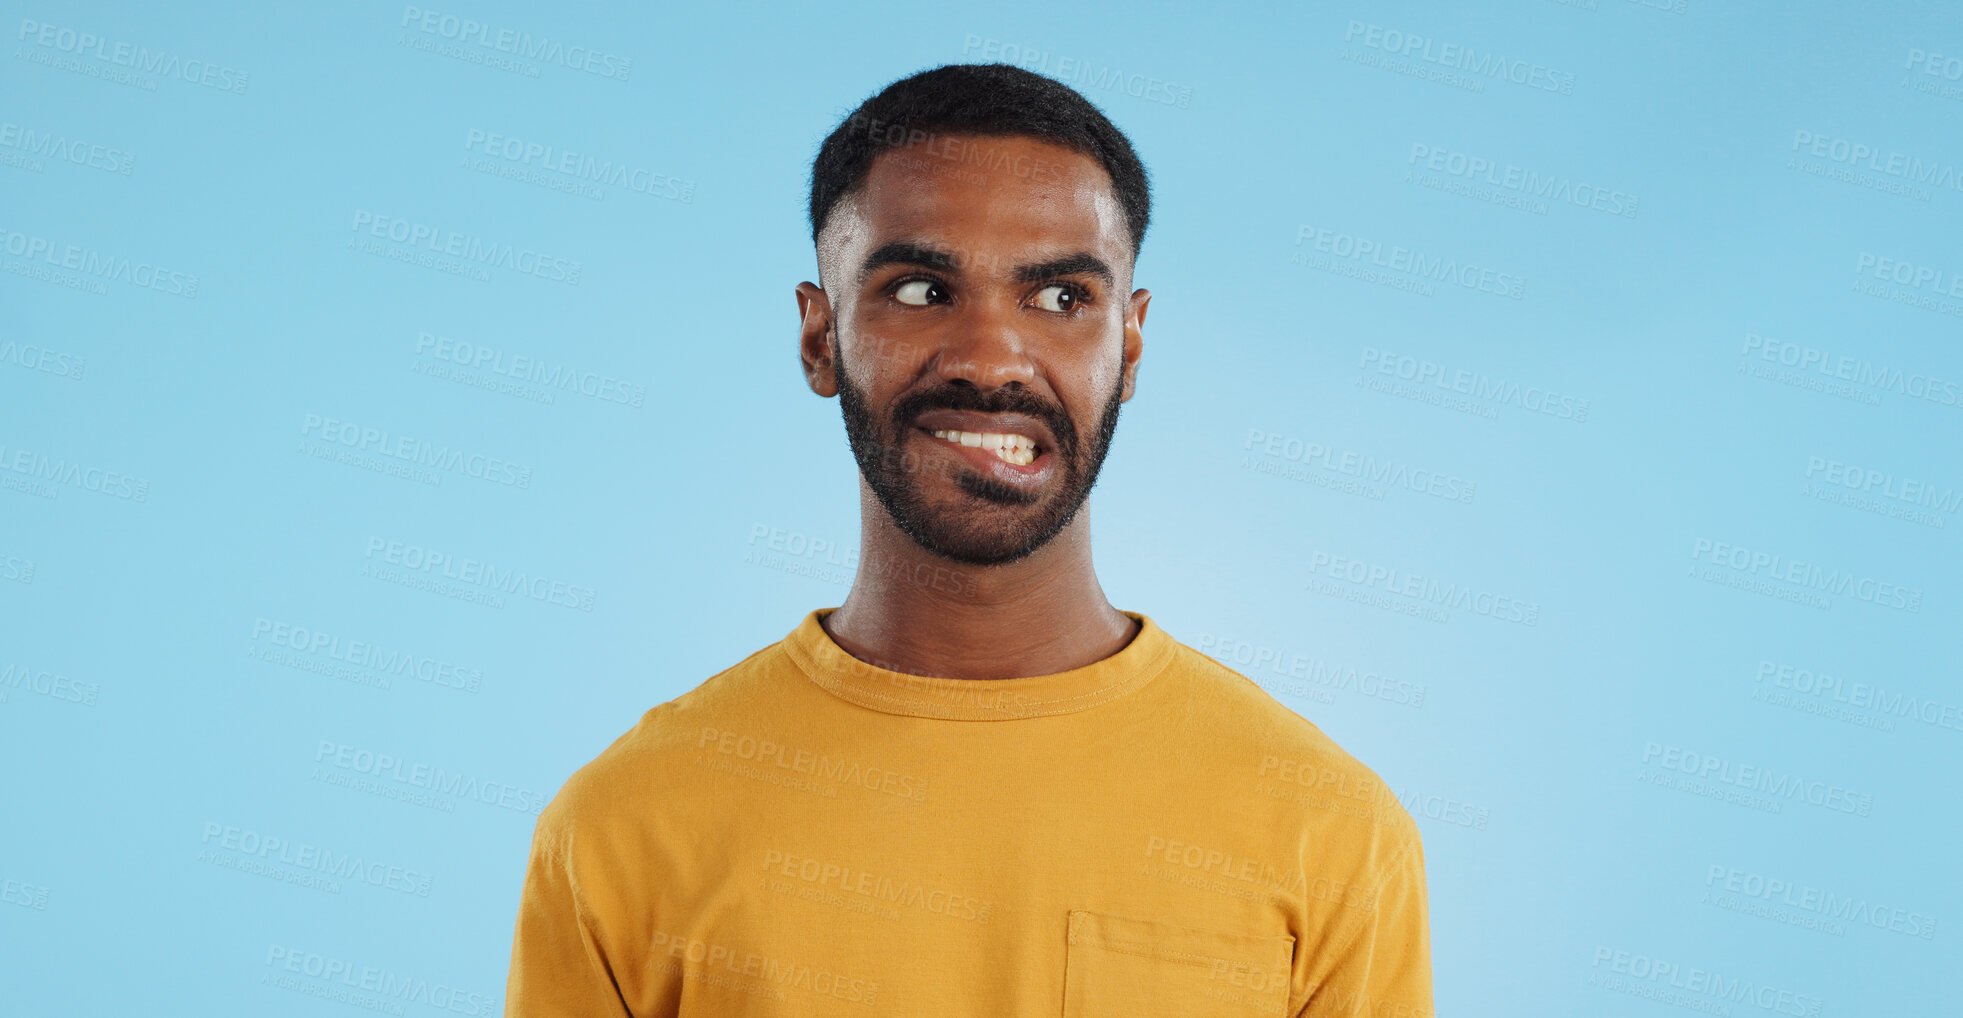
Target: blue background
(1689,514)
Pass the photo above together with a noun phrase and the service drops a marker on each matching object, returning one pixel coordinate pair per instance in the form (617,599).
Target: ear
(814,339)
(1134,340)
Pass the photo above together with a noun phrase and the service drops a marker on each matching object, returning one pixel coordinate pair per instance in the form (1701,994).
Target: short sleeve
(559,967)
(1384,970)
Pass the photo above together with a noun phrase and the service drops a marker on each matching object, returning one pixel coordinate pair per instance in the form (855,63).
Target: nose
(983,348)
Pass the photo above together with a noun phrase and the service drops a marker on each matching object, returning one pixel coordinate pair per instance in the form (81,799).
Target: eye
(1058,297)
(920,292)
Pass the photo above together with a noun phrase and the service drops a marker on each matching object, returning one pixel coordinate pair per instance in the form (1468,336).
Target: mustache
(1009,399)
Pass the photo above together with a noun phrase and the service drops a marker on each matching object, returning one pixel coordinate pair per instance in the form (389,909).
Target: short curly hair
(976,99)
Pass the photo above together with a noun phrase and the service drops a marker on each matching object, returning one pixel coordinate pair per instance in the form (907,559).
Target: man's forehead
(994,203)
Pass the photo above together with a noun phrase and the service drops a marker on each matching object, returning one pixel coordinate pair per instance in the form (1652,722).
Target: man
(975,788)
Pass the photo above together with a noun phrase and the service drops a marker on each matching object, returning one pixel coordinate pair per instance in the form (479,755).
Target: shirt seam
(1098,696)
(1391,870)
(581,912)
(808,664)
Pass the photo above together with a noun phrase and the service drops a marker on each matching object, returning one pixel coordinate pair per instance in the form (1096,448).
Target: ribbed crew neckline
(828,665)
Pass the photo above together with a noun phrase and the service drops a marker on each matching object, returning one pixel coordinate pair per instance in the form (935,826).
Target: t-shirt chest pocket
(1121,967)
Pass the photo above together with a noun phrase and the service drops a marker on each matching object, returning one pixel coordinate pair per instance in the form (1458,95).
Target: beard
(996,524)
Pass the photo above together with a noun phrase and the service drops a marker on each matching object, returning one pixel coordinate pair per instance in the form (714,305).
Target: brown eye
(1057,298)
(919,292)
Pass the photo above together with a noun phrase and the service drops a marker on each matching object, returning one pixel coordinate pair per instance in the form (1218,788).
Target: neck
(913,611)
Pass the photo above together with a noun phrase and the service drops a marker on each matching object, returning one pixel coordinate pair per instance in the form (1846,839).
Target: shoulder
(651,763)
(1294,762)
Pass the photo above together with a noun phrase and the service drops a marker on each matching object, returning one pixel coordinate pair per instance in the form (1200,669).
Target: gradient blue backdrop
(1637,579)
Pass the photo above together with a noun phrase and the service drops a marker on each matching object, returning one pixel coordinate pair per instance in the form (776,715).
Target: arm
(1384,969)
(558,965)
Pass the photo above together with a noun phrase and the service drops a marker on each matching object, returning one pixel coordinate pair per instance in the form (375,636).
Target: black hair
(976,99)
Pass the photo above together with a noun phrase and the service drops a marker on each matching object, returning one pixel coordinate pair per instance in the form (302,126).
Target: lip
(1027,478)
(1004,424)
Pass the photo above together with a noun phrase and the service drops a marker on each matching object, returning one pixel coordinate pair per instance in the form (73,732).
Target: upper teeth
(1017,449)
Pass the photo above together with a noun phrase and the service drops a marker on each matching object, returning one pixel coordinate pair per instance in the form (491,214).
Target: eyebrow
(1082,263)
(907,253)
(904,253)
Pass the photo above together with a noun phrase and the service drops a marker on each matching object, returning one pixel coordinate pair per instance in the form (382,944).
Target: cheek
(1092,383)
(873,352)
(1103,370)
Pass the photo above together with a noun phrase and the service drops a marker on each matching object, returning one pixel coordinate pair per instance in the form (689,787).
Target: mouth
(1014,460)
(1013,449)
(1012,439)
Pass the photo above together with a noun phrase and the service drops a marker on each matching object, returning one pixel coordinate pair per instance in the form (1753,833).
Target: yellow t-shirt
(809,834)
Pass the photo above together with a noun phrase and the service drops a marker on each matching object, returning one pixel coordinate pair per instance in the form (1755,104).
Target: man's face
(980,337)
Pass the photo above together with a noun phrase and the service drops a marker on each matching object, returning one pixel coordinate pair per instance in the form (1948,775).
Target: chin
(971,545)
